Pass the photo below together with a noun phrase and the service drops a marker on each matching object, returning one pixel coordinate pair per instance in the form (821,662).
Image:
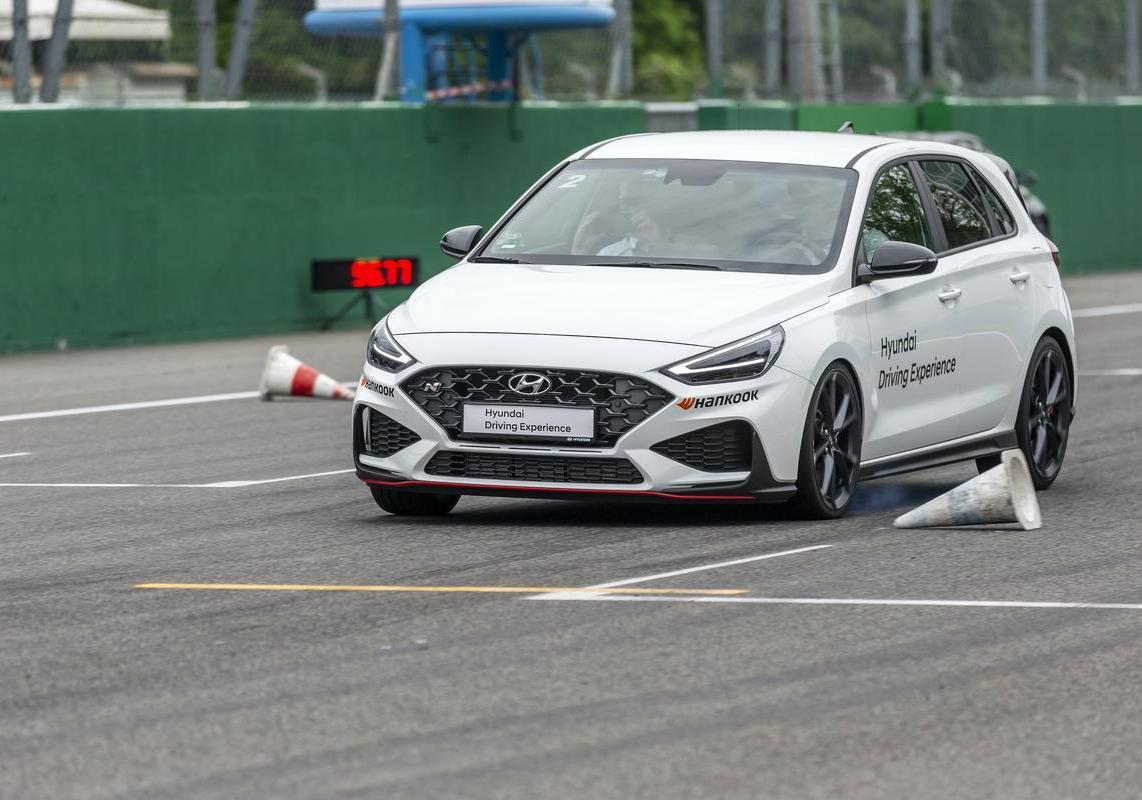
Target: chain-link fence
(850,50)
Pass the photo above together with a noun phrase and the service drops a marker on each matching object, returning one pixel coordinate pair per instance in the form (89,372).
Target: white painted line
(1107,311)
(218,485)
(1113,373)
(13,455)
(176,401)
(846,601)
(704,567)
(686,571)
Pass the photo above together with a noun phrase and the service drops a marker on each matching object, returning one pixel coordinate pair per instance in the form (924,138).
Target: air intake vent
(725,447)
(382,435)
(546,469)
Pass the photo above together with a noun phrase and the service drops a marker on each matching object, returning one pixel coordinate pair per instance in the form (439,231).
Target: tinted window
(894,212)
(999,211)
(958,201)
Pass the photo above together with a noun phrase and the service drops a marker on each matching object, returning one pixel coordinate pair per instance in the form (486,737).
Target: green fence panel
(153,225)
(1089,164)
(723,115)
(866,117)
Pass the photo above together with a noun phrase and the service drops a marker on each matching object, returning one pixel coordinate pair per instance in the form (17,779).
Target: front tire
(829,463)
(413,504)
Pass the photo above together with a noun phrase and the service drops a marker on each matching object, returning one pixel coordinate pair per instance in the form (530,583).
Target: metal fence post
(57,52)
(836,65)
(1133,65)
(388,77)
(804,58)
(240,48)
(620,69)
(1039,46)
(913,69)
(772,46)
(207,56)
(21,53)
(936,21)
(715,46)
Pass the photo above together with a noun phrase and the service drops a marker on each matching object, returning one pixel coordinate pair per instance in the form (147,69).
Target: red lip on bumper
(550,490)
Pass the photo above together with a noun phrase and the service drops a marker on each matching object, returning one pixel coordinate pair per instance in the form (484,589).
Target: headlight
(737,361)
(384,352)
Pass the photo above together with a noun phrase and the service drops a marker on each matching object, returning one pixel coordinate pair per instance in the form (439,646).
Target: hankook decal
(687,403)
(379,388)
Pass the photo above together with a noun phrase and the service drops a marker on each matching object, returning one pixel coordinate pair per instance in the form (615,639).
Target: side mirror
(459,242)
(896,260)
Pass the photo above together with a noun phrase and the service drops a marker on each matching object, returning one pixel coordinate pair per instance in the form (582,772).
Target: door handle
(950,295)
(1019,277)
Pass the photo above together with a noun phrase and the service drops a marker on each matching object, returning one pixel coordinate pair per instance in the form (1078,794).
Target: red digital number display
(364,273)
(373,273)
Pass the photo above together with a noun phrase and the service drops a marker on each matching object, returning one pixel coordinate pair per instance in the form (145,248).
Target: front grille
(620,401)
(384,436)
(548,469)
(725,447)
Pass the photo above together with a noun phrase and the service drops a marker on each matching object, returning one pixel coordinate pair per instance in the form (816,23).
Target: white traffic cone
(286,375)
(1002,494)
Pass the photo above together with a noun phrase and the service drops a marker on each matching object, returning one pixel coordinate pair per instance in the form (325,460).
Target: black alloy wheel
(413,504)
(1045,413)
(830,448)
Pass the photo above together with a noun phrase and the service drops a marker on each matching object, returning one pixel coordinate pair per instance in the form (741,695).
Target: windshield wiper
(496,260)
(656,265)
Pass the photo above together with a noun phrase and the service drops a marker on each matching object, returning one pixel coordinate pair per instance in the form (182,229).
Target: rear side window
(894,213)
(961,208)
(999,211)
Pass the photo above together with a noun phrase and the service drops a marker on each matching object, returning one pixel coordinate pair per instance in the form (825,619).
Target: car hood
(695,307)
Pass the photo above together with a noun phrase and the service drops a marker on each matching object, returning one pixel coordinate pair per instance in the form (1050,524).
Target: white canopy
(100,20)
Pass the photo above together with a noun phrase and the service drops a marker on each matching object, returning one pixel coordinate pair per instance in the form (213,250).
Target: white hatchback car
(725,317)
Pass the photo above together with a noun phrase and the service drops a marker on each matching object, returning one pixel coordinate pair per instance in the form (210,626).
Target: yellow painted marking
(311,587)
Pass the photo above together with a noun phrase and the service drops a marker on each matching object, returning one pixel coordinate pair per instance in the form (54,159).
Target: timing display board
(363,273)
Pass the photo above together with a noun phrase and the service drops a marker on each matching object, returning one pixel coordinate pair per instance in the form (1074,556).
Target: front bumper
(773,407)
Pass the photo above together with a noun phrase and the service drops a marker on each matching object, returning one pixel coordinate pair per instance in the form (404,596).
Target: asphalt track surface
(107,690)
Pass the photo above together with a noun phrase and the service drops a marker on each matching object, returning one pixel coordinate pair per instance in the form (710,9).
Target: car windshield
(729,215)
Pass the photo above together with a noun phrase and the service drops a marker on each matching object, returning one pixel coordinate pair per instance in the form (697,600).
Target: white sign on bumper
(540,421)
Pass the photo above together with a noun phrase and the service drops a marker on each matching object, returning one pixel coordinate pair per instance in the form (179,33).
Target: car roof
(772,147)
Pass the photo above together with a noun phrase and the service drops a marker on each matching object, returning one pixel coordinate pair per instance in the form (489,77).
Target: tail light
(1055,254)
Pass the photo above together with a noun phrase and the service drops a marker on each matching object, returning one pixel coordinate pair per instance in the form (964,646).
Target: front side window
(729,215)
(958,202)
(894,213)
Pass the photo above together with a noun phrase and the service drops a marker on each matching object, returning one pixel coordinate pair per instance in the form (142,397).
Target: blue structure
(443,37)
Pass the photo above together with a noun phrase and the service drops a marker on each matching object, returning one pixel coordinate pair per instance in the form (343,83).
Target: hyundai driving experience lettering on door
(915,373)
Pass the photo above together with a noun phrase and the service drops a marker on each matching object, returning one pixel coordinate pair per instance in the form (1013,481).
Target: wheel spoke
(1053,392)
(842,420)
(827,477)
(819,450)
(1044,372)
(1040,445)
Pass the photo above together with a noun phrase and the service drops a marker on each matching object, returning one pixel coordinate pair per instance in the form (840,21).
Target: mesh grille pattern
(386,436)
(620,401)
(725,447)
(549,469)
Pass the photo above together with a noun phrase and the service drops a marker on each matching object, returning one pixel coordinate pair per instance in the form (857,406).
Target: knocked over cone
(1002,494)
(286,375)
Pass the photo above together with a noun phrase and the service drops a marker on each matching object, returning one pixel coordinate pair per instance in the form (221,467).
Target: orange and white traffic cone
(286,375)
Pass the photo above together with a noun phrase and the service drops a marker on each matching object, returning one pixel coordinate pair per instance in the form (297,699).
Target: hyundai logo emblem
(529,383)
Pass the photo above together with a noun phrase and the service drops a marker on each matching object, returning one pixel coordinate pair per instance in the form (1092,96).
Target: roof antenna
(848,127)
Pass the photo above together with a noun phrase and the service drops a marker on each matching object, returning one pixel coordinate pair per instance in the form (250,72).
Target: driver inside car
(632,229)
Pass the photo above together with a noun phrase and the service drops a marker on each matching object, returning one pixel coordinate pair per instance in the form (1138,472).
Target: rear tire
(829,464)
(413,504)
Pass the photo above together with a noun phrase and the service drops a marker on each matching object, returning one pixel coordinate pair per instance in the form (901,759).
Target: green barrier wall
(1089,162)
(167,224)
